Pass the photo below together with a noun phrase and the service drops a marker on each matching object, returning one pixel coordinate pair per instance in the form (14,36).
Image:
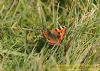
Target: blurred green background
(23,47)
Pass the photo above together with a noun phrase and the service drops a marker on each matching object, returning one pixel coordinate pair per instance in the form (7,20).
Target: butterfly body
(55,36)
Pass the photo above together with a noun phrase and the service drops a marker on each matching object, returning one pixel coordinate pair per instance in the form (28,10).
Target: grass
(23,48)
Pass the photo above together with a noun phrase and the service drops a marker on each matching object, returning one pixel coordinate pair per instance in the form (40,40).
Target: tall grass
(23,48)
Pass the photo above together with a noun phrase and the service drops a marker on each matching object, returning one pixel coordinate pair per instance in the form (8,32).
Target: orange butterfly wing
(60,32)
(55,36)
(49,38)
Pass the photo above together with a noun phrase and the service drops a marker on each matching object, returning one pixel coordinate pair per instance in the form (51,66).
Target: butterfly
(55,36)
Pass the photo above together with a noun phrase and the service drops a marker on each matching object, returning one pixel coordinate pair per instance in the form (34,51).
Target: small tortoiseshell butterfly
(55,36)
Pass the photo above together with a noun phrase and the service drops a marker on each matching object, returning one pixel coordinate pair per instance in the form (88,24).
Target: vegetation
(23,47)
